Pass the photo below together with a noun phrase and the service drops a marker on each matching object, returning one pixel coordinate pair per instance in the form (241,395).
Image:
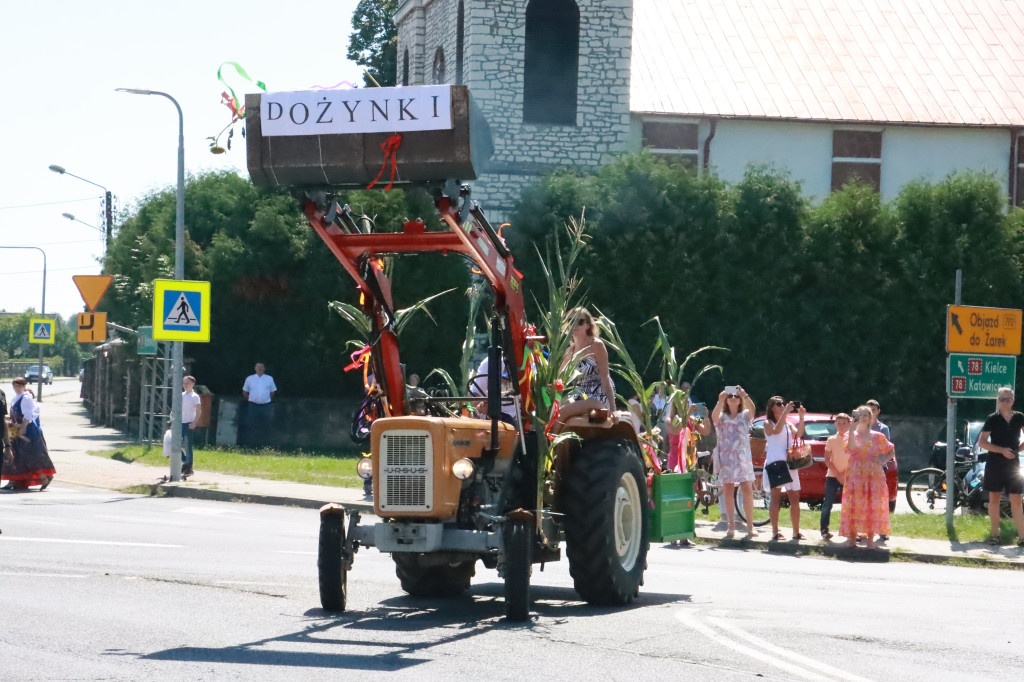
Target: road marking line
(823,668)
(8,538)
(691,622)
(42,575)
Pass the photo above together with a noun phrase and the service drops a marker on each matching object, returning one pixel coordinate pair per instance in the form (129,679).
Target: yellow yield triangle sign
(92,288)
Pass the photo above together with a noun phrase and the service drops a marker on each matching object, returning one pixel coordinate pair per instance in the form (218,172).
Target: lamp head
(68,216)
(57,169)
(134,91)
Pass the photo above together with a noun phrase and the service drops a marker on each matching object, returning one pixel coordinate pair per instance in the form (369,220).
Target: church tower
(551,76)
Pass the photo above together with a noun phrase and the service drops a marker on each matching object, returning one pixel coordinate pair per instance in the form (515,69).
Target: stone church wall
(494,42)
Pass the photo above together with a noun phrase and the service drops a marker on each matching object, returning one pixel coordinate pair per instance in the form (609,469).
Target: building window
(673,140)
(460,41)
(551,62)
(856,155)
(438,70)
(405,67)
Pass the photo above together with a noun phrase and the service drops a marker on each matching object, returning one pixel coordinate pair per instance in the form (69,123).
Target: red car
(817,429)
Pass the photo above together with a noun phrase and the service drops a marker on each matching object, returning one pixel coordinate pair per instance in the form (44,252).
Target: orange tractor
(452,492)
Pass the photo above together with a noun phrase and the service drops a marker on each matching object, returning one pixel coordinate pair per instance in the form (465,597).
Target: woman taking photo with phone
(780,435)
(732,417)
(865,494)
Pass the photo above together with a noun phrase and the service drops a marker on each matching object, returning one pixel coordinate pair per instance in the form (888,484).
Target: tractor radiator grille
(406,471)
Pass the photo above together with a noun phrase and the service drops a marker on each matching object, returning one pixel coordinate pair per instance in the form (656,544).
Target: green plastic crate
(674,507)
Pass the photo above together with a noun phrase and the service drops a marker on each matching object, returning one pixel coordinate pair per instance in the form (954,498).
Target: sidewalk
(70,435)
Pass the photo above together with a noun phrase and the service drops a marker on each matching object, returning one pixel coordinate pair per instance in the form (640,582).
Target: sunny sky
(61,62)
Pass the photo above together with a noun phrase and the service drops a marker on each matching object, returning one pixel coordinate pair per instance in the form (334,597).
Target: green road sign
(979,376)
(147,346)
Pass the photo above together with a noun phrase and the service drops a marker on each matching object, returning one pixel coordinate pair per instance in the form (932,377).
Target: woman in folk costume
(32,464)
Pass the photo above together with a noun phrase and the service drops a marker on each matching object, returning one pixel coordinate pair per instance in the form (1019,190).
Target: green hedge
(832,303)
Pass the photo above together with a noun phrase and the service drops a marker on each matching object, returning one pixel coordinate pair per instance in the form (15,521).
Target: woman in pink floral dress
(865,495)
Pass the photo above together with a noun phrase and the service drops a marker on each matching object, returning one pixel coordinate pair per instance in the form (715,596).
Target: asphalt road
(98,585)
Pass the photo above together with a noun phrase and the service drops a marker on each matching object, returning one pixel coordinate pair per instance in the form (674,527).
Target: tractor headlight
(365,468)
(462,469)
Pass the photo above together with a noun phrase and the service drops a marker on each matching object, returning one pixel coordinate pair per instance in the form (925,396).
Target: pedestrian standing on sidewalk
(6,456)
(878,427)
(732,417)
(836,460)
(1000,435)
(258,391)
(779,436)
(865,496)
(191,409)
(32,464)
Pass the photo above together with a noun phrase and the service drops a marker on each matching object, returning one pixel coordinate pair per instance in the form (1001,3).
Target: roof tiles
(944,62)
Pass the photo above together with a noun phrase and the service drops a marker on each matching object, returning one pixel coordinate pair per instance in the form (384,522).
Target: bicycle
(927,493)
(709,490)
(762,501)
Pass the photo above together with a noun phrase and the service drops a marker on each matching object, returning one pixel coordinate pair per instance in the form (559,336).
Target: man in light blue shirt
(258,391)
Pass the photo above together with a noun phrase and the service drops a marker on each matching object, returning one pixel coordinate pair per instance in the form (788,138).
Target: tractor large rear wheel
(422,579)
(606,522)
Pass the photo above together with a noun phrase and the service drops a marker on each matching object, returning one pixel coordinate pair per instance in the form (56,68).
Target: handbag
(778,474)
(798,455)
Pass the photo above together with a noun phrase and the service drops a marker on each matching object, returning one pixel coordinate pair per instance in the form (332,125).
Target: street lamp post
(42,311)
(108,217)
(177,347)
(71,216)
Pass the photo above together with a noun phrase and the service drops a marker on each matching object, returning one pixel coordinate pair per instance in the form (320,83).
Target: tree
(374,41)
(271,280)
(830,304)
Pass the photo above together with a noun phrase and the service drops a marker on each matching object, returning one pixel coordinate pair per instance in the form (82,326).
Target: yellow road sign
(40,330)
(971,329)
(92,327)
(181,310)
(92,288)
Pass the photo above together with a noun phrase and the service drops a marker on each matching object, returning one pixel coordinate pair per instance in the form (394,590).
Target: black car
(32,375)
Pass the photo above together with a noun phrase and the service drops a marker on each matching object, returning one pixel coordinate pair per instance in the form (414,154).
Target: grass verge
(966,527)
(318,469)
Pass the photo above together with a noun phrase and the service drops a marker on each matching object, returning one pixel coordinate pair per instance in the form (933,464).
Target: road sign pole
(951,429)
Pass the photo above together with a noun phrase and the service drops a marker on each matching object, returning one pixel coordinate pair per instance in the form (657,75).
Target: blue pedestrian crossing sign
(40,330)
(181,310)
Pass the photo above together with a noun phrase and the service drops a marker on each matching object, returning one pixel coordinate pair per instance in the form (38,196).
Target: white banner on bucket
(360,110)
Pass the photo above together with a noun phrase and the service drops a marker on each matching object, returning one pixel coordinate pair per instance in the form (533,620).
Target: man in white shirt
(478,387)
(191,408)
(259,390)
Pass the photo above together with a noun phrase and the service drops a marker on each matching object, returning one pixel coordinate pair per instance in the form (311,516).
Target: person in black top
(1001,437)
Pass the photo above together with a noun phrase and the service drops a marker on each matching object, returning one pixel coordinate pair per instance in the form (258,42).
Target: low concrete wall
(913,437)
(308,424)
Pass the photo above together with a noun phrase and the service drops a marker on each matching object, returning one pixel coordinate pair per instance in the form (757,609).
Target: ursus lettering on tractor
(450,492)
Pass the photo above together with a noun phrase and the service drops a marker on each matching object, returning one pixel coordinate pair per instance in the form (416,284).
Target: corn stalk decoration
(363,326)
(671,381)
(475,293)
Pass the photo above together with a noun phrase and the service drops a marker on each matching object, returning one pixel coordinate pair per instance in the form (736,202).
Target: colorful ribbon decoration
(232,102)
(390,149)
(235,105)
(358,358)
(555,407)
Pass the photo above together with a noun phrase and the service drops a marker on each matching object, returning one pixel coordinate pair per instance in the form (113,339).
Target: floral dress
(734,462)
(865,494)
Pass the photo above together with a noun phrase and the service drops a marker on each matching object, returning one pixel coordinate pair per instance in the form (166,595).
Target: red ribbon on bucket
(390,149)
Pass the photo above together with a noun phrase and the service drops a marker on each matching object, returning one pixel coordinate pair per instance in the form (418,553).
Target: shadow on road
(451,620)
